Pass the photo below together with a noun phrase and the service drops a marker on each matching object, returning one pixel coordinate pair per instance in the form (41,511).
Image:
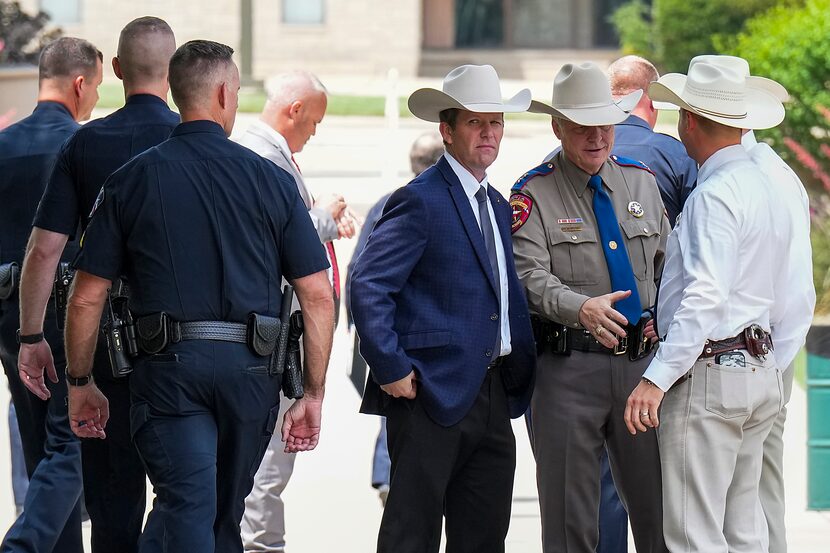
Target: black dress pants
(463,473)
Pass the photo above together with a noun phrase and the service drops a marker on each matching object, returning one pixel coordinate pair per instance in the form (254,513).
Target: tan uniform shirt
(556,241)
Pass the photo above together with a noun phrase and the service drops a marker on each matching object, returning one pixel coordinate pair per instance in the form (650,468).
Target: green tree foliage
(633,24)
(671,32)
(792,46)
(22,36)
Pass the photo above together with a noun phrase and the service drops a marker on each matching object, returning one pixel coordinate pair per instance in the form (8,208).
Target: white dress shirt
(471,186)
(723,263)
(790,319)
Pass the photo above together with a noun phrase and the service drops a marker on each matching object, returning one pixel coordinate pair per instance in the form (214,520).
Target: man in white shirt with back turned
(725,288)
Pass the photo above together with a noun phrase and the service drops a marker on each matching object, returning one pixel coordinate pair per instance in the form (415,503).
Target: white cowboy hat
(582,94)
(741,66)
(469,87)
(721,94)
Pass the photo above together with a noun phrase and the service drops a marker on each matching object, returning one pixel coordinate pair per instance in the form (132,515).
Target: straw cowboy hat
(741,66)
(582,94)
(722,92)
(469,87)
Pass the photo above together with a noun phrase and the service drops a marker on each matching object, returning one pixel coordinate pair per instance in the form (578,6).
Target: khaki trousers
(772,474)
(712,431)
(263,524)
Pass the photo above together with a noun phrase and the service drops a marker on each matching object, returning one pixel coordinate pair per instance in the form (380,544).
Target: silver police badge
(635,209)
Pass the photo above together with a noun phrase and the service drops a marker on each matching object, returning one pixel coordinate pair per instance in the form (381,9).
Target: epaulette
(626,162)
(544,169)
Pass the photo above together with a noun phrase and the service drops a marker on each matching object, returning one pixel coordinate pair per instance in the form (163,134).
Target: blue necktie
(616,256)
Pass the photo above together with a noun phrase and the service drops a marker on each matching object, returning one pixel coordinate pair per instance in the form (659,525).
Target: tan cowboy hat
(741,66)
(582,94)
(721,93)
(469,87)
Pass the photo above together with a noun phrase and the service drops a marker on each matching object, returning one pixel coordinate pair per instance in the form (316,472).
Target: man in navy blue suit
(444,326)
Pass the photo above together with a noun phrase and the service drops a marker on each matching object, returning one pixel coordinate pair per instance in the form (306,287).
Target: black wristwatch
(29,338)
(79,381)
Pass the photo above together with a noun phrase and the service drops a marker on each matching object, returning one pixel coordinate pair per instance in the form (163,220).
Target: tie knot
(481,195)
(595,182)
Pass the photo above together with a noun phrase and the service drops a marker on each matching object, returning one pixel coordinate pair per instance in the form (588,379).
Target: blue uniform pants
(381,464)
(202,415)
(114,478)
(51,518)
(613,520)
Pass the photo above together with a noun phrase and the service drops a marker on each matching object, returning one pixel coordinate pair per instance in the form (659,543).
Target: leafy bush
(633,24)
(22,36)
(792,46)
(671,32)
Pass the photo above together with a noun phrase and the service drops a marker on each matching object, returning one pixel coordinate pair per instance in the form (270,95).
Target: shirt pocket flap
(559,236)
(642,228)
(427,339)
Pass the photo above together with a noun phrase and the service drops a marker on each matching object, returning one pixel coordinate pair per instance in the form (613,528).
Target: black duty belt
(561,340)
(211,330)
(582,340)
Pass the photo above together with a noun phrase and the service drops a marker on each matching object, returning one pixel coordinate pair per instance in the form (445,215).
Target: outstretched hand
(32,361)
(301,425)
(605,323)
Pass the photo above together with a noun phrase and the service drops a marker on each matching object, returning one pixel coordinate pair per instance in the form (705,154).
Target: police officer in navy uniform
(114,479)
(204,230)
(674,170)
(69,75)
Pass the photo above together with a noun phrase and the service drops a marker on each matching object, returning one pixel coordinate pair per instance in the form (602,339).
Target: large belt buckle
(622,346)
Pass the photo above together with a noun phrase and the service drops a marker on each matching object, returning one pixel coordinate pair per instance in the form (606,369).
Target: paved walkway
(331,506)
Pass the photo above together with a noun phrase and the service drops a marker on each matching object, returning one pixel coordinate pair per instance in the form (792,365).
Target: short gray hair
(286,88)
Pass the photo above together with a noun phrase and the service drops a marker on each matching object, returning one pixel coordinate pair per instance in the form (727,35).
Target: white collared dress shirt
(724,269)
(790,319)
(471,186)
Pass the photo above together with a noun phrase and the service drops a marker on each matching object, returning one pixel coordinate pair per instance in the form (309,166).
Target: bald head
(286,88)
(297,103)
(145,47)
(425,152)
(631,73)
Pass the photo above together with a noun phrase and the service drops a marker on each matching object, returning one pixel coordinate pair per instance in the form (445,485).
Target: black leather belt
(211,330)
(582,340)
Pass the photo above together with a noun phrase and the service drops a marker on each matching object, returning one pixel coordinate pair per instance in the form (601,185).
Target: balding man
(69,75)
(675,171)
(114,479)
(204,230)
(296,105)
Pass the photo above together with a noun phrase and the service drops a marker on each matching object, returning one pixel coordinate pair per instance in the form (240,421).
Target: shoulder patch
(626,162)
(544,169)
(521,205)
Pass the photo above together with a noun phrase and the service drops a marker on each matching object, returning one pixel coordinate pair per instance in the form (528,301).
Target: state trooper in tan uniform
(589,234)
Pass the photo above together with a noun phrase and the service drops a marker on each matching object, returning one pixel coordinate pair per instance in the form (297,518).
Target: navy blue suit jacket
(423,298)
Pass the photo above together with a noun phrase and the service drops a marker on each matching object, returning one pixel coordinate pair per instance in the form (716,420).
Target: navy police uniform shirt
(28,150)
(95,152)
(675,171)
(203,229)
